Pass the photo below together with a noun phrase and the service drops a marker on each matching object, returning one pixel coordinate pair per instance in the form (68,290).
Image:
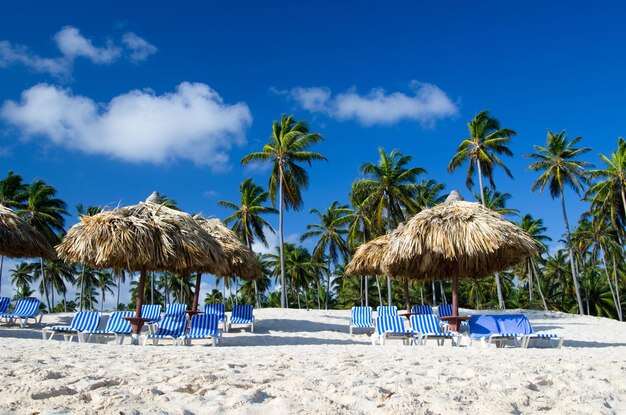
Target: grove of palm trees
(583,272)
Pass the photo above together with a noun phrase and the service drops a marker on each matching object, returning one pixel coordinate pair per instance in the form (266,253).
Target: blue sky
(110,102)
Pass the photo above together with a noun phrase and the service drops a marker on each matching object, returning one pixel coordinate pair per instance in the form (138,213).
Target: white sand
(300,361)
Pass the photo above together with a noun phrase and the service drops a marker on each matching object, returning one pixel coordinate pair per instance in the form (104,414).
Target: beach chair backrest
(4,304)
(27,307)
(215,308)
(203,325)
(172,325)
(514,323)
(483,325)
(362,315)
(444,310)
(422,309)
(425,323)
(386,310)
(242,312)
(117,324)
(152,312)
(85,321)
(175,308)
(390,324)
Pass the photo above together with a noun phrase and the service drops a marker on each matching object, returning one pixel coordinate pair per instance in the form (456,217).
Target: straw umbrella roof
(18,239)
(369,257)
(147,236)
(241,260)
(456,235)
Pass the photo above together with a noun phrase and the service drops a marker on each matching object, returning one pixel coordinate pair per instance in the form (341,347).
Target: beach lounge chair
(241,316)
(83,323)
(152,312)
(5,302)
(220,310)
(170,327)
(116,326)
(175,308)
(388,310)
(391,326)
(25,309)
(204,326)
(444,310)
(426,326)
(361,318)
(486,328)
(422,309)
(520,324)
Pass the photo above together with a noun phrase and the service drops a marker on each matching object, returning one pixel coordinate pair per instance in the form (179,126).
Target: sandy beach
(300,361)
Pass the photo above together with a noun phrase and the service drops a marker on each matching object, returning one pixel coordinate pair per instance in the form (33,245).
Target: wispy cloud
(425,104)
(192,123)
(73,44)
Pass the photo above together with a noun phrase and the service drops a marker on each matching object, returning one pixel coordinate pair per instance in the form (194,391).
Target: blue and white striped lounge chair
(175,308)
(361,318)
(445,310)
(170,327)
(520,324)
(241,316)
(386,310)
(391,326)
(426,326)
(152,312)
(485,327)
(83,323)
(220,310)
(25,309)
(5,302)
(116,326)
(204,326)
(422,309)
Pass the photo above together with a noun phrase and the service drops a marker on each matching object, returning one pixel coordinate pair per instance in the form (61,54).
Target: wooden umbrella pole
(136,322)
(455,291)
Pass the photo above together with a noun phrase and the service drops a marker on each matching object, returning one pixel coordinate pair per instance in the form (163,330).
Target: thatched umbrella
(143,237)
(456,238)
(240,259)
(18,239)
(368,258)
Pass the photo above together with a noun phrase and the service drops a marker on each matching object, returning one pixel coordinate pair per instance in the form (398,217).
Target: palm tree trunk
(584,265)
(102,301)
(536,272)
(361,290)
(64,302)
(530,284)
(319,293)
(388,231)
(283,287)
(45,285)
(367,286)
(152,288)
(82,287)
(328,283)
(501,302)
(608,277)
(581,311)
(1,266)
(380,293)
(443,293)
(619,303)
(432,284)
(119,282)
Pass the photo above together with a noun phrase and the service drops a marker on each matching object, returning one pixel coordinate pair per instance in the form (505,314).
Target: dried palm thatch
(241,260)
(146,236)
(18,239)
(368,258)
(456,236)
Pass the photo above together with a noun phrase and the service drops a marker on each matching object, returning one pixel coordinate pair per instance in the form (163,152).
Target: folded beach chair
(485,327)
(361,318)
(152,312)
(25,309)
(520,324)
(116,326)
(170,327)
(426,326)
(391,326)
(388,310)
(220,310)
(5,302)
(241,315)
(422,309)
(83,323)
(204,326)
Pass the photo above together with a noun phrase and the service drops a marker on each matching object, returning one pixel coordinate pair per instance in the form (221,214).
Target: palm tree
(246,219)
(330,237)
(559,167)
(22,276)
(87,282)
(388,192)
(497,201)
(105,284)
(535,229)
(486,142)
(288,145)
(12,195)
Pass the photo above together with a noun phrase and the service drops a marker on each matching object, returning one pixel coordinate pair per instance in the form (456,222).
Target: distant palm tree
(429,194)
(215,296)
(288,145)
(246,219)
(330,234)
(105,284)
(481,150)
(529,268)
(88,282)
(22,276)
(89,211)
(388,192)
(497,201)
(559,167)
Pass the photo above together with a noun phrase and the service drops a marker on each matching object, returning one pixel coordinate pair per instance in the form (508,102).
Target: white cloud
(140,48)
(425,105)
(72,45)
(192,123)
